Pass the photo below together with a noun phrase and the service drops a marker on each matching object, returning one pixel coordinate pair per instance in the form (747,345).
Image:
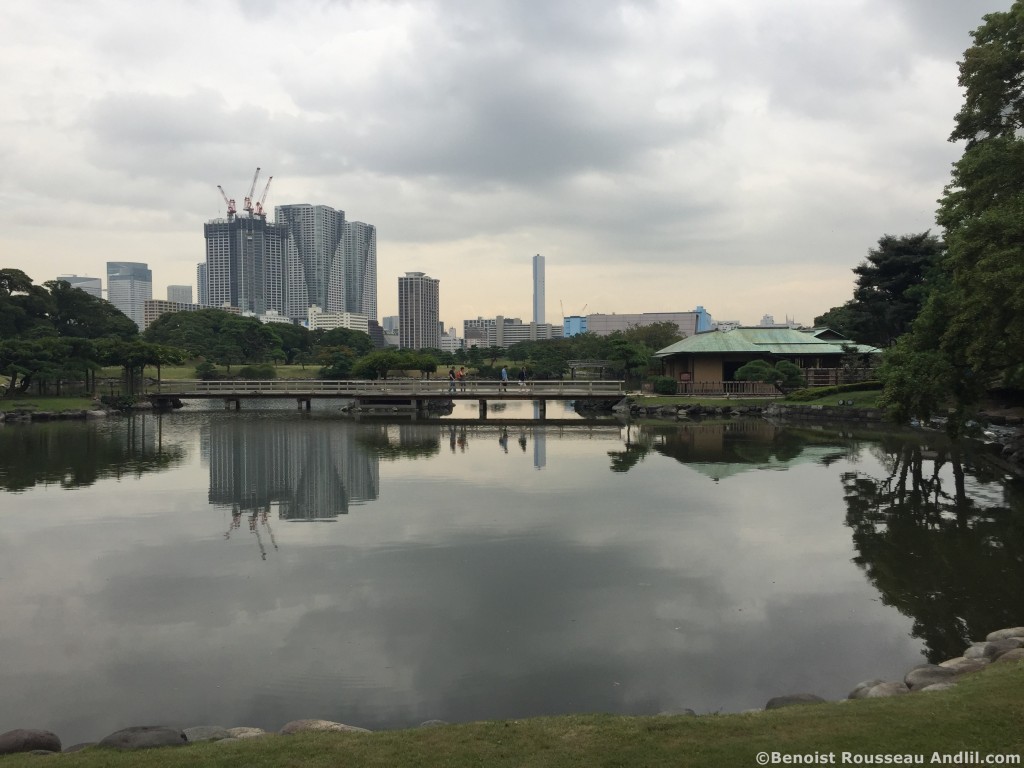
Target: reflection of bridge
(403,394)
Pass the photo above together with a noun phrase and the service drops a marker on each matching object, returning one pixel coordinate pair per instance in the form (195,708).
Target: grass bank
(55,404)
(982,714)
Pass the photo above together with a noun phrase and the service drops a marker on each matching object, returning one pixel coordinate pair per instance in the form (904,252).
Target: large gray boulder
(298,726)
(962,665)
(1002,634)
(996,648)
(793,700)
(206,733)
(28,740)
(860,691)
(928,674)
(1017,654)
(885,690)
(245,732)
(144,737)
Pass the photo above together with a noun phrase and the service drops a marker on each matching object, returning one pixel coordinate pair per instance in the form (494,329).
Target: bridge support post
(483,409)
(235,401)
(300,401)
(542,408)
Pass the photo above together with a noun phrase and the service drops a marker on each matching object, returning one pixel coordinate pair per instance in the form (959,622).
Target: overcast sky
(740,155)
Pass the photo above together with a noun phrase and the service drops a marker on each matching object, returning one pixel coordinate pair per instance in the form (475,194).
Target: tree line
(950,312)
(53,333)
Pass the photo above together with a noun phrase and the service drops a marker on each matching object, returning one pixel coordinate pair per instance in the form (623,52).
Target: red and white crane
(263,199)
(229,202)
(252,188)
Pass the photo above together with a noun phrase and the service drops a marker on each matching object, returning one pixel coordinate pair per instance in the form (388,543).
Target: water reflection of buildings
(308,470)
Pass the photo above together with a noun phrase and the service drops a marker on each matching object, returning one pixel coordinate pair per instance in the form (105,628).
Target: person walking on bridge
(504,378)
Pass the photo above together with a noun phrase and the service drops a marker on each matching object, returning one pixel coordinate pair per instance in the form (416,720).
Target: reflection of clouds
(452,596)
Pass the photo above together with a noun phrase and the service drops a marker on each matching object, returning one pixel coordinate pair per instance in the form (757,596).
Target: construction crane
(263,199)
(230,203)
(580,313)
(252,188)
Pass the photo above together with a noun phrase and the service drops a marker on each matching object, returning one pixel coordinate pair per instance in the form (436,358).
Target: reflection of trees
(77,454)
(403,441)
(953,563)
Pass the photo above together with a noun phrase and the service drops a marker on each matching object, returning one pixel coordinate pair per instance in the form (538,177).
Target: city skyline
(743,157)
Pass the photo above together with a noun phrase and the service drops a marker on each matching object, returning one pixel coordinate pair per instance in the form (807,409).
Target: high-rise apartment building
(129,286)
(181,294)
(201,285)
(359,248)
(538,289)
(312,265)
(418,311)
(244,264)
(91,285)
(329,262)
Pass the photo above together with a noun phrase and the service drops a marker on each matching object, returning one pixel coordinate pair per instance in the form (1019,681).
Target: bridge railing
(391,387)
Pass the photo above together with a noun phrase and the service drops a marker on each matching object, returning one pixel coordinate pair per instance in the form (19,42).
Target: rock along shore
(1001,646)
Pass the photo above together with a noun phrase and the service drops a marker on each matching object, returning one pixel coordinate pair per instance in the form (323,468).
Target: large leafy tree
(78,314)
(892,285)
(973,322)
(24,307)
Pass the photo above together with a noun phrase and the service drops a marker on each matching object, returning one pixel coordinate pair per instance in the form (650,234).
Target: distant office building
(180,293)
(538,289)
(390,324)
(317,319)
(573,325)
(418,311)
(450,341)
(329,262)
(505,331)
(270,316)
(153,308)
(129,286)
(689,323)
(201,284)
(91,285)
(244,264)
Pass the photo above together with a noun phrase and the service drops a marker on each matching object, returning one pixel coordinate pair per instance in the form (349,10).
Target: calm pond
(211,567)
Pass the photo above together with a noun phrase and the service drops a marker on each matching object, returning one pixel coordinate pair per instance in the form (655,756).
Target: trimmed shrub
(663,385)
(262,372)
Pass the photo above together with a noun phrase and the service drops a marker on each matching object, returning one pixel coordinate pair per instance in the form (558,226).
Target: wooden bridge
(400,394)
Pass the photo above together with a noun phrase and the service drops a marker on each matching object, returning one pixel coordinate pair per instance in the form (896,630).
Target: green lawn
(29,403)
(982,714)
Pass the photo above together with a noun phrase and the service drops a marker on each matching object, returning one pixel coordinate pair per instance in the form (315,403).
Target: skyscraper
(418,311)
(129,286)
(201,285)
(538,289)
(359,245)
(244,264)
(329,262)
(312,269)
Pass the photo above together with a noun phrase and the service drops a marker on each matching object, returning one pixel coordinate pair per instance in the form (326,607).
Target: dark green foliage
(970,333)
(663,385)
(892,285)
(258,372)
(357,341)
(207,371)
(82,315)
(815,393)
(783,374)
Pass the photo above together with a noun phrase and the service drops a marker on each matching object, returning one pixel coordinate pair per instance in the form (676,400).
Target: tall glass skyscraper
(538,289)
(129,287)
